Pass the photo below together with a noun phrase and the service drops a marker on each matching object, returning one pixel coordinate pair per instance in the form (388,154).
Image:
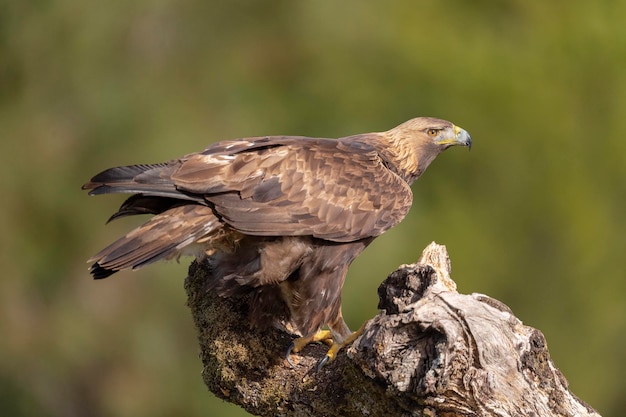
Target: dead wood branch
(431,351)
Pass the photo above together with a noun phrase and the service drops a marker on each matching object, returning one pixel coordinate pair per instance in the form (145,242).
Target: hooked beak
(458,137)
(461,137)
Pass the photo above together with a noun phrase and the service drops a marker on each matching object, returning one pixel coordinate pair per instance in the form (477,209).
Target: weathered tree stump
(430,352)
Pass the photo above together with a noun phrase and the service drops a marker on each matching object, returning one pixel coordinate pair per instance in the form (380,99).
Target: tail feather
(164,236)
(145,204)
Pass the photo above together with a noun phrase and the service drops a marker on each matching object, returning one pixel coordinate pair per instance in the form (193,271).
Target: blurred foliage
(533,216)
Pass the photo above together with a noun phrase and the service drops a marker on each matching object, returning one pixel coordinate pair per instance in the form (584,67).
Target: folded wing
(294,186)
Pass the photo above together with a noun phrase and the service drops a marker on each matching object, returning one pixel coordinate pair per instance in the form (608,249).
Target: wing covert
(295,186)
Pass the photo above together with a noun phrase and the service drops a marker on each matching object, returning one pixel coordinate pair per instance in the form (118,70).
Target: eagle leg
(299,343)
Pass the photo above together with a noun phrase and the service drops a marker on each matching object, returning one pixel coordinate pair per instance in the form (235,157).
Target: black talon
(288,356)
(322,362)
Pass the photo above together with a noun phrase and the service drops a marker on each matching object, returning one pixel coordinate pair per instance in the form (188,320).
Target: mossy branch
(430,351)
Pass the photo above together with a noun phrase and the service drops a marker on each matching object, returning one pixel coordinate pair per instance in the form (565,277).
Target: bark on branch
(430,352)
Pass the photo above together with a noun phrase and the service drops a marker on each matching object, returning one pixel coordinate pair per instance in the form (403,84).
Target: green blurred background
(533,216)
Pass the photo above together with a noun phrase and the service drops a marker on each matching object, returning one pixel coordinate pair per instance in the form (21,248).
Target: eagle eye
(432,132)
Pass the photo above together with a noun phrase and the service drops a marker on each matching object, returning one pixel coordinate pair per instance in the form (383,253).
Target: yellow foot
(336,347)
(299,343)
(324,336)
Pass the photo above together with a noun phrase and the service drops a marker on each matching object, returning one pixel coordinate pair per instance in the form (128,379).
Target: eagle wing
(338,190)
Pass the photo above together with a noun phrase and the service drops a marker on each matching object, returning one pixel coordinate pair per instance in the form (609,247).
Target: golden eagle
(279,217)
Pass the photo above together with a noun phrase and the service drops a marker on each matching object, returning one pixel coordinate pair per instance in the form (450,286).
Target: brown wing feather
(161,237)
(298,186)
